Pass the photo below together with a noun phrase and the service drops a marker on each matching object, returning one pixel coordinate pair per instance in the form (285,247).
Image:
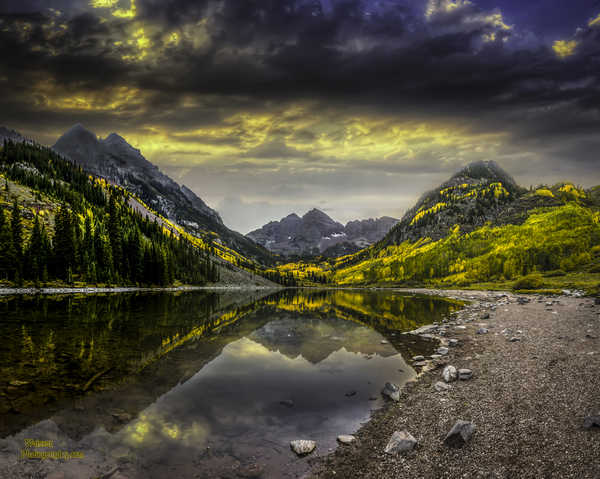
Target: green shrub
(531,281)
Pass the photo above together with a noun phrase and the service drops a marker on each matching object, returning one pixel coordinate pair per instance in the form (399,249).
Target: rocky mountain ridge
(114,159)
(316,233)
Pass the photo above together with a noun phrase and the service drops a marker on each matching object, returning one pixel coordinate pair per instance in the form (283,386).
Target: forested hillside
(480,228)
(59,223)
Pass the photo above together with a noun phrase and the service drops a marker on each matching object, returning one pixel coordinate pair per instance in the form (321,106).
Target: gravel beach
(535,362)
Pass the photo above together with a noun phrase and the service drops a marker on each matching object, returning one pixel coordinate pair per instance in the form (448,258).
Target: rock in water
(418,358)
(392,391)
(591,421)
(346,438)
(449,374)
(303,447)
(400,442)
(440,386)
(465,374)
(460,434)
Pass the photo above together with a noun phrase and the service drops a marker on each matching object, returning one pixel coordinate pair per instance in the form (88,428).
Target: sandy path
(527,398)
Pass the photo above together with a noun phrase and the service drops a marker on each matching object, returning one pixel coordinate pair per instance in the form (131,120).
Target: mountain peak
(115,138)
(78,128)
(316,214)
(78,134)
(486,169)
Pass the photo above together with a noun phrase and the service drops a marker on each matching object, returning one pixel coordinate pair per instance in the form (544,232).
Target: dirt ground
(528,397)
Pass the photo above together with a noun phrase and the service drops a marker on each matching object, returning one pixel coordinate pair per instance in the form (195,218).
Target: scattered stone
(514,339)
(383,341)
(449,374)
(591,421)
(392,391)
(400,442)
(465,374)
(452,342)
(425,329)
(460,434)
(287,403)
(435,356)
(461,327)
(443,351)
(346,438)
(418,358)
(441,387)
(350,394)
(486,316)
(420,364)
(482,331)
(302,447)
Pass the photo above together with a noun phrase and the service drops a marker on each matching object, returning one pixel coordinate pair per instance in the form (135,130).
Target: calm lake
(198,384)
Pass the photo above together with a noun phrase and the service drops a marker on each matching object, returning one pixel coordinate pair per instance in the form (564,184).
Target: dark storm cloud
(265,80)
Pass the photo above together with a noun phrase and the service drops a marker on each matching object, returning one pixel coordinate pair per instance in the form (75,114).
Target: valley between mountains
(94,211)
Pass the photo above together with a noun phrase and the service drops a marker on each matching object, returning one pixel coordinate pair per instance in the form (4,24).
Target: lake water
(198,384)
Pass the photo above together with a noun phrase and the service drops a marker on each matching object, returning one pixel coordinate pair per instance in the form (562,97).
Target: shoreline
(127,289)
(528,396)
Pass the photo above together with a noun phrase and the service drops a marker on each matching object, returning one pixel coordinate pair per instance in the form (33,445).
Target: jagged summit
(317,233)
(116,160)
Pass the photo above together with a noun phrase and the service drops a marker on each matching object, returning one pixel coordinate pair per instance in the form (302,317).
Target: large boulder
(460,434)
(400,443)
(391,391)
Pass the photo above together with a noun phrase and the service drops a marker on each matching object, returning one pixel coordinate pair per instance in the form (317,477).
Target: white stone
(303,446)
(346,438)
(449,374)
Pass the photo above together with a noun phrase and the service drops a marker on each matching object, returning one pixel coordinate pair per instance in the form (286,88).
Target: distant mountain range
(316,233)
(119,163)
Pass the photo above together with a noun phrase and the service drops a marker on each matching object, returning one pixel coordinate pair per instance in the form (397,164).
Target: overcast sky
(264,107)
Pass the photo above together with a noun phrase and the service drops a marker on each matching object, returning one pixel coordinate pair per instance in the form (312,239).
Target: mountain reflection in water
(201,383)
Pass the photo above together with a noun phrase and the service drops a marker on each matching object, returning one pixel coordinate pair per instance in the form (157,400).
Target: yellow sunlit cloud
(50,96)
(122,13)
(595,22)
(118,12)
(141,42)
(103,3)
(564,48)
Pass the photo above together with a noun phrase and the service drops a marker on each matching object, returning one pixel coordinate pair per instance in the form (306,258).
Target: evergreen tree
(16,227)
(7,252)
